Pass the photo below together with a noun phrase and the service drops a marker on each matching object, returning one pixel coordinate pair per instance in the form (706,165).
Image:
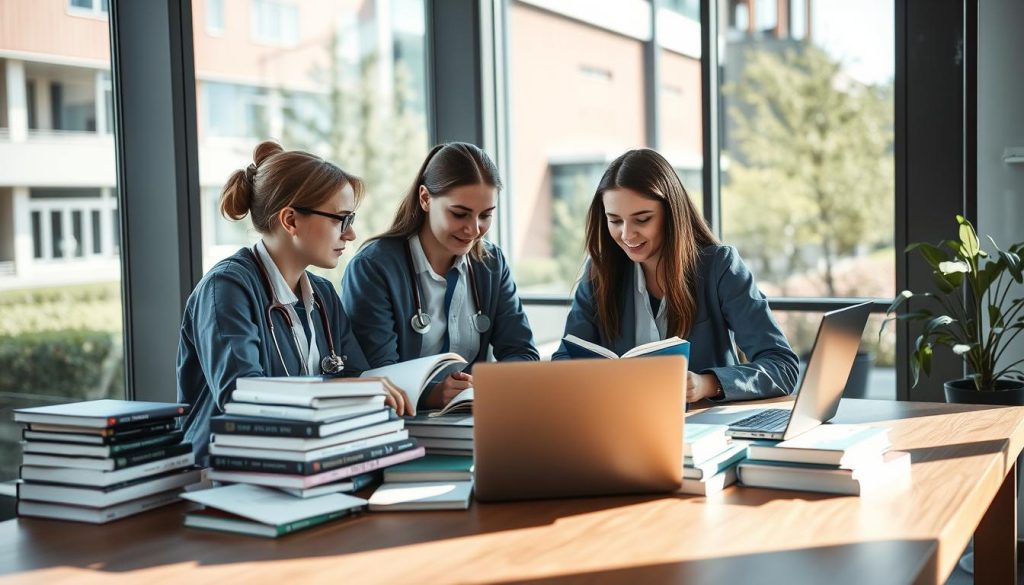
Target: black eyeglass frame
(345,221)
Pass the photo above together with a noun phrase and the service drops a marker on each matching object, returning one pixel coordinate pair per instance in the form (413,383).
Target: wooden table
(963,458)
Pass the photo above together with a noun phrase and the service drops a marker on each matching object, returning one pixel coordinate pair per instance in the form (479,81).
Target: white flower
(961,348)
(951,267)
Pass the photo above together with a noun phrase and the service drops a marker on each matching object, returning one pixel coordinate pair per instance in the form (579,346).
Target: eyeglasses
(345,221)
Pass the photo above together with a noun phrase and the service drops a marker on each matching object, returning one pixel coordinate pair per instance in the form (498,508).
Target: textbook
(112,495)
(301,413)
(415,376)
(96,436)
(579,348)
(221,462)
(448,495)
(703,441)
(308,481)
(891,474)
(39,445)
(709,486)
(726,459)
(452,426)
(96,515)
(97,478)
(228,424)
(304,444)
(431,468)
(291,455)
(258,511)
(352,484)
(432,443)
(99,414)
(845,445)
(122,461)
(303,390)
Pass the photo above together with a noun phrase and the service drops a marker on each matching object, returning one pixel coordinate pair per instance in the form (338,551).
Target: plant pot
(1007,392)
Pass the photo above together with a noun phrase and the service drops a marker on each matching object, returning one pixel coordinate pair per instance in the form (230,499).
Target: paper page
(268,505)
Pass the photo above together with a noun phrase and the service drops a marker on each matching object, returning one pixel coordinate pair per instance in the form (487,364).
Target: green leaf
(926,359)
(989,274)
(947,283)
(995,316)
(899,300)
(969,245)
(935,323)
(915,367)
(933,255)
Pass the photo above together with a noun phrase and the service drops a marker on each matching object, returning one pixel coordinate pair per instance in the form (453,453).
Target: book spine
(130,433)
(154,455)
(139,417)
(264,429)
(154,441)
(259,465)
(364,467)
(308,467)
(314,467)
(361,481)
(315,520)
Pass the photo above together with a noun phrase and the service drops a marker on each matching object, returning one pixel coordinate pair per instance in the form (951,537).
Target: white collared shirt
(308,350)
(463,338)
(649,327)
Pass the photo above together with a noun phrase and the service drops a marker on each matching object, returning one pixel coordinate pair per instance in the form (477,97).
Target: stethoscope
(330,364)
(421,321)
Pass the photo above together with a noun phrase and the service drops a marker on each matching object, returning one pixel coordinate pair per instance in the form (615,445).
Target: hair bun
(263,151)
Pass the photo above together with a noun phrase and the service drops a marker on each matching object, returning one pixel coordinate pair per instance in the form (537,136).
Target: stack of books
(310,436)
(709,458)
(443,434)
(831,458)
(102,460)
(435,482)
(260,511)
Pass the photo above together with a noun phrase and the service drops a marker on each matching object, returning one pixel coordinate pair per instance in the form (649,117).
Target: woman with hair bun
(432,283)
(259,312)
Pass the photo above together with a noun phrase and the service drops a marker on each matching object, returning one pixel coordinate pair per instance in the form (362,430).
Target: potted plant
(978,326)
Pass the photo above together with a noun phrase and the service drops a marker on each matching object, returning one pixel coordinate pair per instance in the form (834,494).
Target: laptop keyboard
(774,419)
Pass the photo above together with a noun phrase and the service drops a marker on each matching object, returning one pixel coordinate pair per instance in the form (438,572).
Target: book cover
(98,478)
(710,485)
(306,444)
(445,495)
(220,521)
(301,413)
(891,474)
(308,467)
(308,481)
(353,484)
(304,390)
(97,436)
(726,459)
(703,441)
(112,495)
(96,515)
(87,450)
(230,424)
(452,426)
(269,506)
(847,445)
(290,455)
(432,468)
(99,413)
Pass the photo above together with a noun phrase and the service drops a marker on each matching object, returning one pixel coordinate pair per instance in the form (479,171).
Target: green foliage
(76,364)
(959,324)
(810,164)
(92,306)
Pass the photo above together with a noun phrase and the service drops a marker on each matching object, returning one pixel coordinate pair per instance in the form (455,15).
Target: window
(812,211)
(215,17)
(275,22)
(353,92)
(61,333)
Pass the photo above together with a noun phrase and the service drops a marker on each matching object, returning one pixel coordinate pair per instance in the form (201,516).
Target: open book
(579,348)
(415,376)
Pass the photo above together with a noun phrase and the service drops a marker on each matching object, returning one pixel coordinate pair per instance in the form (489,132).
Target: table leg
(995,539)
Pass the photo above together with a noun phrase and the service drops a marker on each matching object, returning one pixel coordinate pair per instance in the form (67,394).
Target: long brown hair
(279,178)
(686,233)
(447,166)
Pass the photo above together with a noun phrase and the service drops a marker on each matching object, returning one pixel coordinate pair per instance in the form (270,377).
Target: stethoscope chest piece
(481,322)
(420,322)
(332,364)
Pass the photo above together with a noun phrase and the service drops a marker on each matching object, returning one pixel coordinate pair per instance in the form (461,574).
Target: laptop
(578,428)
(820,387)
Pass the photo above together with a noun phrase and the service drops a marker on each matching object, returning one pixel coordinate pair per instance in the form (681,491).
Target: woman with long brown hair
(259,312)
(432,283)
(656,270)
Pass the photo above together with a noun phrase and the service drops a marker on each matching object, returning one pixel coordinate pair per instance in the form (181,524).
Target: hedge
(78,364)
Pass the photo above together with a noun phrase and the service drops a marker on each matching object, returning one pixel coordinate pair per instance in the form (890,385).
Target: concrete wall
(1001,124)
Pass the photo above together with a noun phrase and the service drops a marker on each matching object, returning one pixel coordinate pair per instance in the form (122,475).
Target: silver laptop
(578,428)
(821,387)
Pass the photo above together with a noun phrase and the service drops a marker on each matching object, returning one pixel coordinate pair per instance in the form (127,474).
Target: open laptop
(821,386)
(578,427)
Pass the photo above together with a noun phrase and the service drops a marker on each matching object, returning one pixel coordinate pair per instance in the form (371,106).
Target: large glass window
(807,149)
(60,290)
(344,80)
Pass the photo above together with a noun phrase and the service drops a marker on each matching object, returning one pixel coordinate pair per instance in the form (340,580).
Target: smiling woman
(655,271)
(432,283)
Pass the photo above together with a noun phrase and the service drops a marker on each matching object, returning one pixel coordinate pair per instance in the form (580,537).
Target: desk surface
(961,456)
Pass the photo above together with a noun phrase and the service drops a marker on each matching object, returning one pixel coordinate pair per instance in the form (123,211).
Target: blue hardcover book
(732,455)
(582,349)
(844,445)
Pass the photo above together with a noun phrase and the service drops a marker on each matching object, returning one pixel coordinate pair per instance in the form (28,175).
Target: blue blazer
(225,336)
(377,294)
(729,308)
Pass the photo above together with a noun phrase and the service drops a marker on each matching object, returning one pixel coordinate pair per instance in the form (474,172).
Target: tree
(810,165)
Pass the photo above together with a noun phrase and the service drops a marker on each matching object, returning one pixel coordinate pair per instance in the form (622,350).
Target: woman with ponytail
(431,283)
(655,271)
(259,312)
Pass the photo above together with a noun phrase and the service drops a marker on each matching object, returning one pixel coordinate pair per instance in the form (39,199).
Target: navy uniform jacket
(224,336)
(729,308)
(377,294)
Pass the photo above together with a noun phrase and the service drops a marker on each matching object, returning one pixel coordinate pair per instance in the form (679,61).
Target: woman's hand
(700,386)
(449,388)
(397,398)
